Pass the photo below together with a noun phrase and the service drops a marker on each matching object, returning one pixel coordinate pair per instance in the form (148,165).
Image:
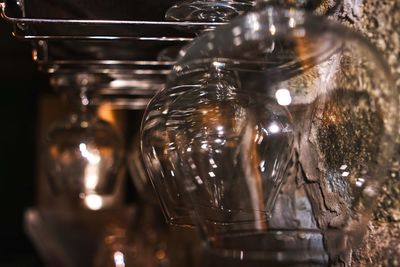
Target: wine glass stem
(84,100)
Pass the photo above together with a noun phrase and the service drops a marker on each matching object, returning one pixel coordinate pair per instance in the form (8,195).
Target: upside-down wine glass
(287,167)
(174,206)
(208,10)
(84,156)
(177,214)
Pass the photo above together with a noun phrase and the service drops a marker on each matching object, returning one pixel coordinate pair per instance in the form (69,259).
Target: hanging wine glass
(84,156)
(164,171)
(176,209)
(287,167)
(208,10)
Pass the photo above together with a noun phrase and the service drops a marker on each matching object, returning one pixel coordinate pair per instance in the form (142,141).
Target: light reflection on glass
(198,180)
(345,174)
(343,167)
(274,128)
(84,124)
(119,259)
(360,182)
(92,170)
(254,22)
(272,29)
(262,165)
(94,202)
(283,97)
(92,157)
(292,22)
(212,162)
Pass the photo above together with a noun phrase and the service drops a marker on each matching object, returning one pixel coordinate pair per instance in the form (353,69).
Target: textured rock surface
(379,21)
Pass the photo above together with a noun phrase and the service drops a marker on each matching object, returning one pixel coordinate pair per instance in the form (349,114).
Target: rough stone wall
(379,21)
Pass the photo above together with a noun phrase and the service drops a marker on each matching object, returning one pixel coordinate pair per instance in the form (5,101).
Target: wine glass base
(282,248)
(208,11)
(72,238)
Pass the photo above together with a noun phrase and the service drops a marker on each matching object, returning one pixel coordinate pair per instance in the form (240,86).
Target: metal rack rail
(94,29)
(125,53)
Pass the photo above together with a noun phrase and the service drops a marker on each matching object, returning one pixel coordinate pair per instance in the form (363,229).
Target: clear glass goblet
(164,171)
(285,168)
(83,158)
(208,10)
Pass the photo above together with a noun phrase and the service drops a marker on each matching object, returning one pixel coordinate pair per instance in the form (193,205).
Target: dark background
(21,85)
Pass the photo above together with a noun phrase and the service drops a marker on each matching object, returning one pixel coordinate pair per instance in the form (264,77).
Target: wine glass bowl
(310,101)
(161,155)
(84,156)
(138,174)
(224,136)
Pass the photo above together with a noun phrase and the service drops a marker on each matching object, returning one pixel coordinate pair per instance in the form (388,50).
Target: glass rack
(121,47)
